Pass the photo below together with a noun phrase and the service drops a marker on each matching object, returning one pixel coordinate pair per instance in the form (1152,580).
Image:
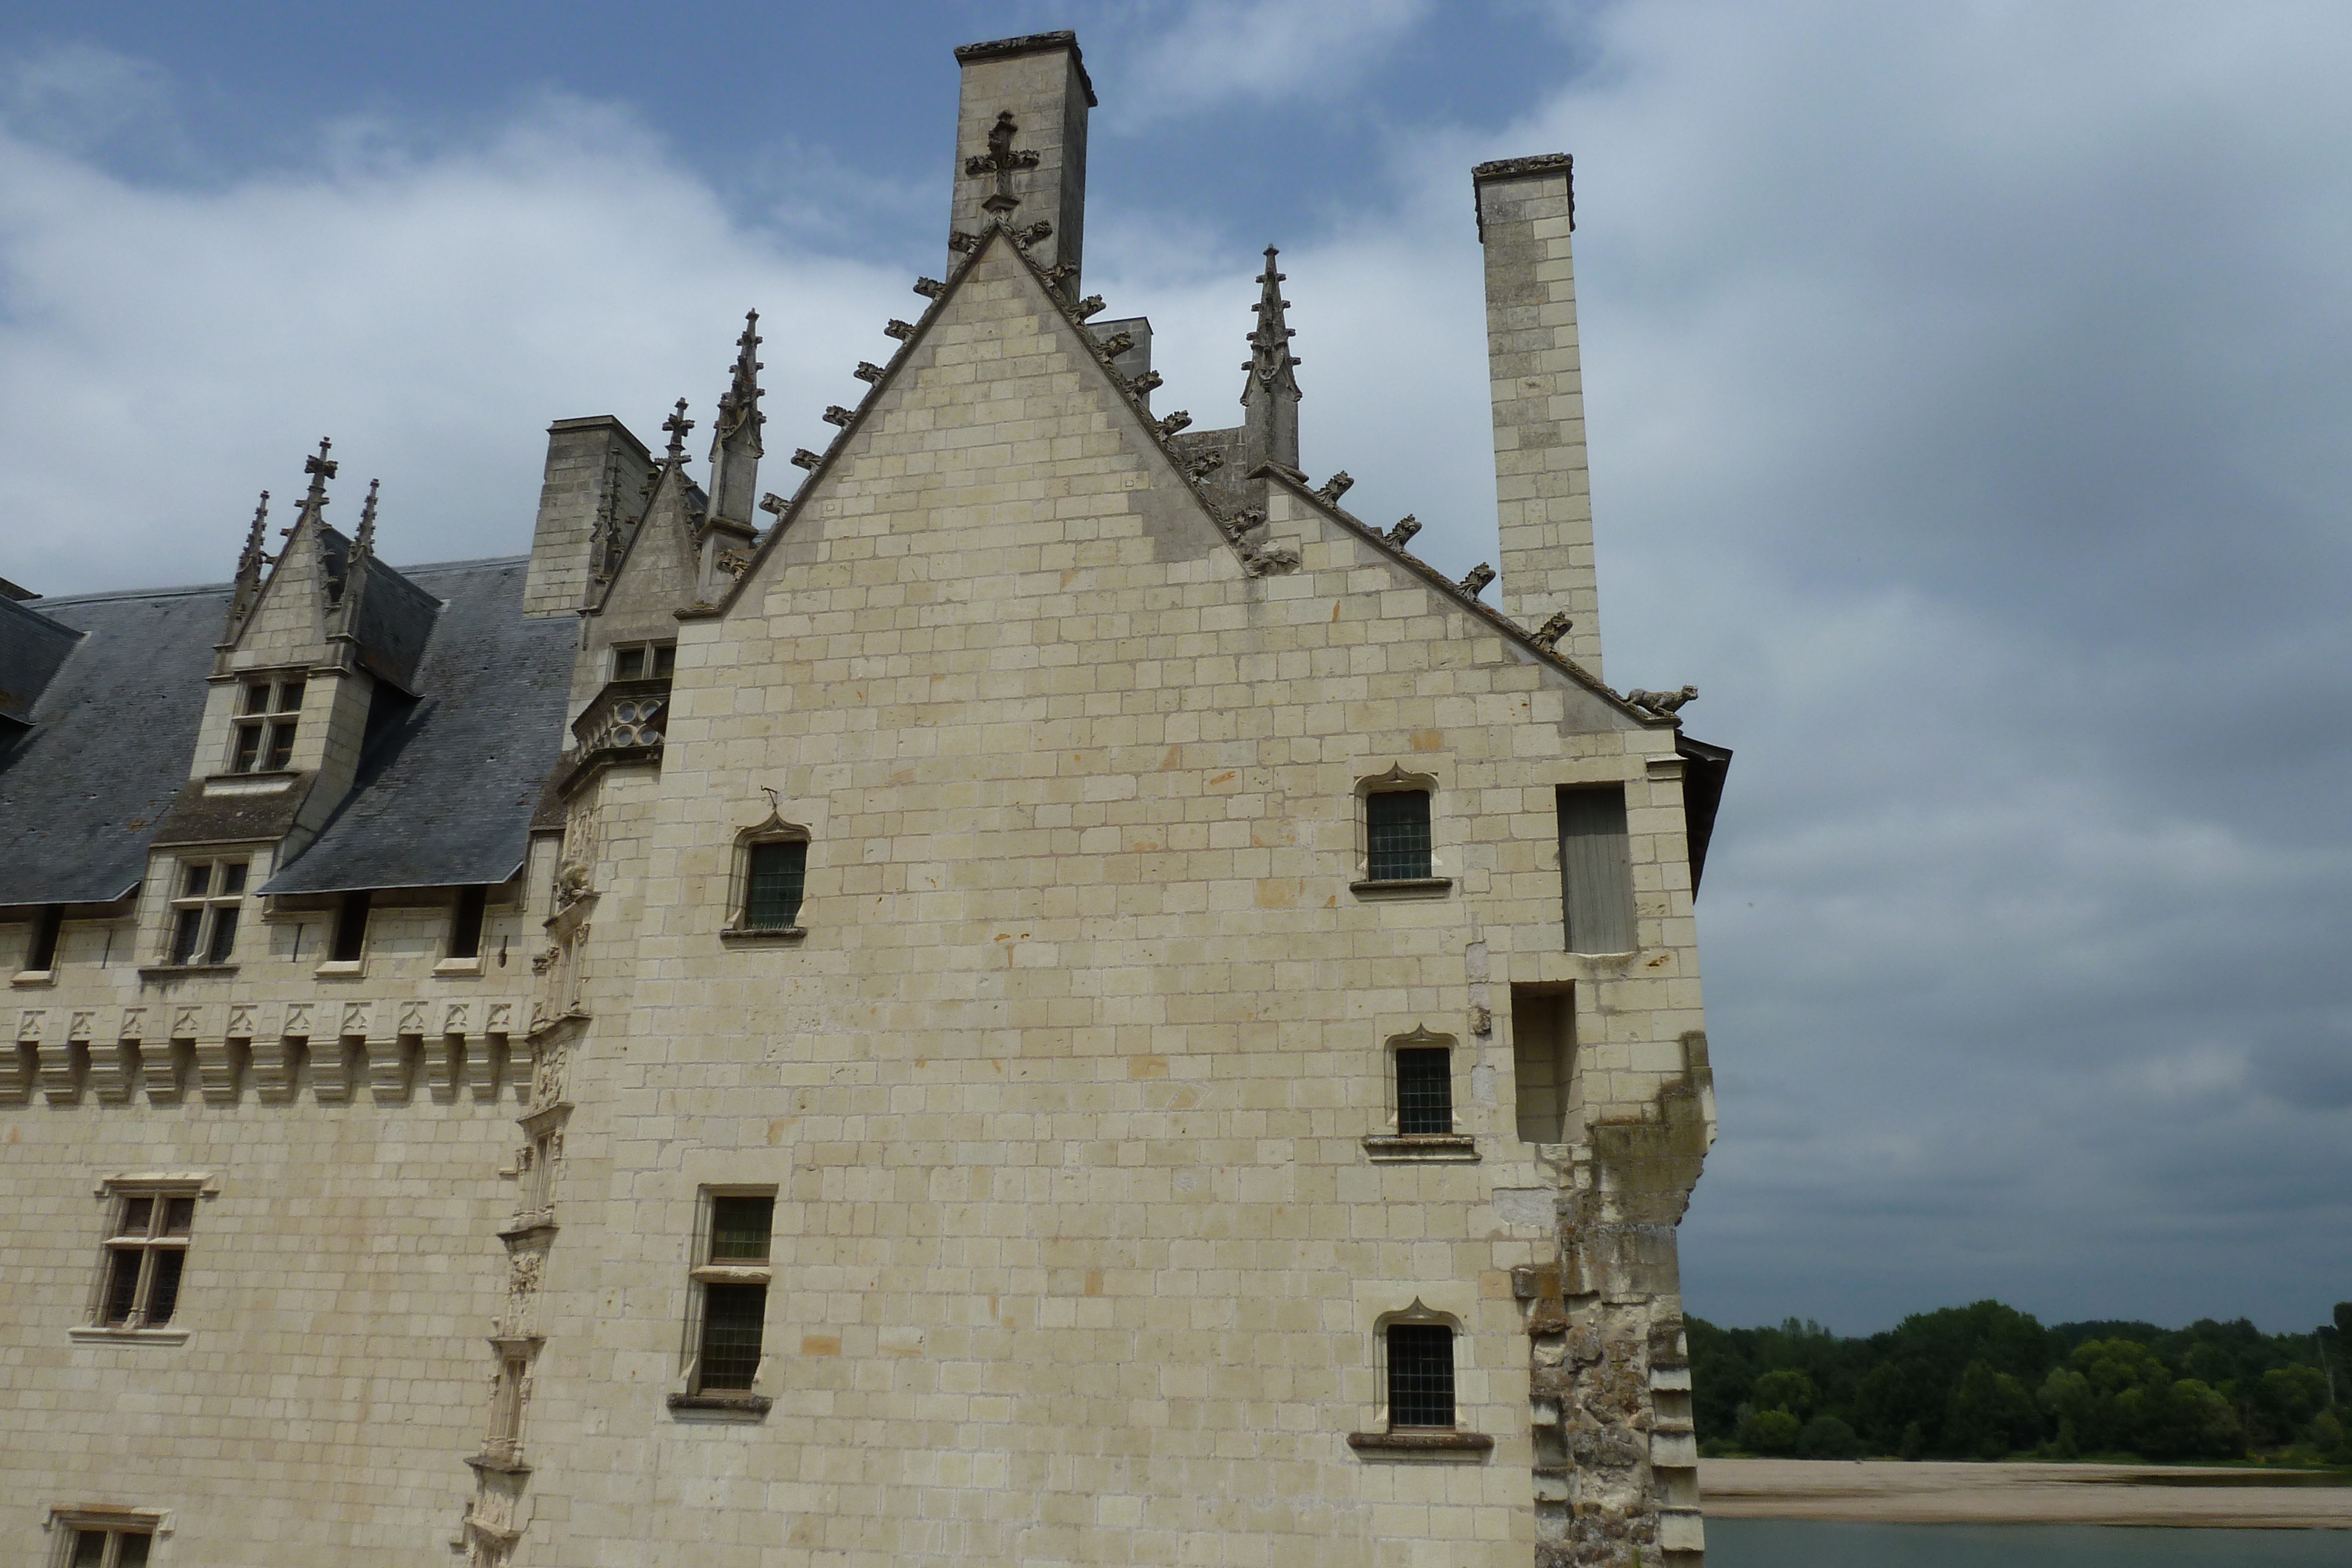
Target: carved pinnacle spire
(1270,393)
(365,544)
(677,424)
(735,446)
(249,562)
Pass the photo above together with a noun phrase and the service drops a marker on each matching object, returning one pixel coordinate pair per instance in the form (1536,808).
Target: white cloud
(167,352)
(1220,51)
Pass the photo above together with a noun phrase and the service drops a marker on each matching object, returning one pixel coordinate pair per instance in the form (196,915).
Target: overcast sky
(1968,388)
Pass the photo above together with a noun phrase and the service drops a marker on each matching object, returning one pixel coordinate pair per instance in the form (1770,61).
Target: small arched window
(770,881)
(1397,838)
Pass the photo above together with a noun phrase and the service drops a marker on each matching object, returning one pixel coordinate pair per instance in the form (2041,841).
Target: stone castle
(1043,994)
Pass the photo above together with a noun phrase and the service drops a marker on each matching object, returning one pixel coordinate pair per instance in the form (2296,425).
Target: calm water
(1812,1543)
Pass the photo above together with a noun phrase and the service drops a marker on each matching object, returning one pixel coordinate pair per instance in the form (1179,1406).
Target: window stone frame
(737,927)
(1396,780)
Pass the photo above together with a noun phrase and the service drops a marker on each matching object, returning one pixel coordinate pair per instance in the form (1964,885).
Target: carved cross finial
(365,543)
(1001,159)
(321,469)
(677,424)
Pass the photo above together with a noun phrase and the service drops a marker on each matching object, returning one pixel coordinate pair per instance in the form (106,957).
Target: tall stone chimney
(1526,207)
(596,473)
(1021,148)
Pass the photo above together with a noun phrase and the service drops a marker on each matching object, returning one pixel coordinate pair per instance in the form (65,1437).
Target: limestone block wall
(1080,1253)
(339,1275)
(324,1372)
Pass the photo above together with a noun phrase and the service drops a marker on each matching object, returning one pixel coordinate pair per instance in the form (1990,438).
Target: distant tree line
(1988,1381)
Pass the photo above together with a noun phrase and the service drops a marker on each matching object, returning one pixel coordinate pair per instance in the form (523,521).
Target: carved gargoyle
(1115,345)
(1549,634)
(930,287)
(836,415)
(1406,527)
(902,330)
(1174,423)
(804,458)
(572,883)
(1092,305)
(1479,577)
(868,372)
(1336,487)
(1665,704)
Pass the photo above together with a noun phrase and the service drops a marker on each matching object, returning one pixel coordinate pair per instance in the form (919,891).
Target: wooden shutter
(1596,869)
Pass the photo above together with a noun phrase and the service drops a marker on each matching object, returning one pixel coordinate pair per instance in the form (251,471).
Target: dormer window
(204,912)
(643,660)
(264,729)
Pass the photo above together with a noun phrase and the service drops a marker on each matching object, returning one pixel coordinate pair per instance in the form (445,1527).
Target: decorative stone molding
(277,1067)
(63,1068)
(1408,1442)
(330,1072)
(216,1071)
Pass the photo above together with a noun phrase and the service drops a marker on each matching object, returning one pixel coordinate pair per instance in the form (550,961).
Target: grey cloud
(1966,389)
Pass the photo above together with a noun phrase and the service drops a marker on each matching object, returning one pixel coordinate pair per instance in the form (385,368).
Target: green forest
(1988,1381)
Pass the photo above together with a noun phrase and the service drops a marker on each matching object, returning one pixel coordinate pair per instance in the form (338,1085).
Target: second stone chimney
(1526,208)
(1021,149)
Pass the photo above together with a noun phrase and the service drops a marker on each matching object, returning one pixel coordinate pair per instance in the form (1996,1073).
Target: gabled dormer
(313,654)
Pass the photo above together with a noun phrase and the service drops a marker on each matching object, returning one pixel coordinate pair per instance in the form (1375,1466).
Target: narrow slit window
(42,957)
(1543,1059)
(1396,831)
(775,876)
(1596,870)
(734,1287)
(350,927)
(465,923)
(1424,1090)
(1420,1375)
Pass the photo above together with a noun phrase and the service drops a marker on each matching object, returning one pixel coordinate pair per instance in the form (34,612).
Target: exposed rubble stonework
(1043,994)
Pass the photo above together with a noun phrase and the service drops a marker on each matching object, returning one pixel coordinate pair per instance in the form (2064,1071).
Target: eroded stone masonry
(1041,993)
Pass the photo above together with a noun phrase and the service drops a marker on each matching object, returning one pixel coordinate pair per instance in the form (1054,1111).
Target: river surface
(1816,1544)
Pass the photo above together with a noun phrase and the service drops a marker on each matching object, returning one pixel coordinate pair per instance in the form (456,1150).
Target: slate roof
(446,784)
(111,738)
(32,646)
(445,790)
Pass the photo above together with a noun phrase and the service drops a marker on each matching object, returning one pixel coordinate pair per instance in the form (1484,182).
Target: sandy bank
(1890,1492)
